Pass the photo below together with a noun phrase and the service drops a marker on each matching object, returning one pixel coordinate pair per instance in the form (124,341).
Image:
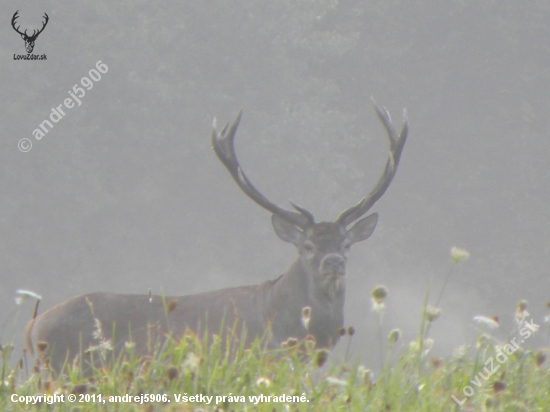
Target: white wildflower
(491,323)
(23,294)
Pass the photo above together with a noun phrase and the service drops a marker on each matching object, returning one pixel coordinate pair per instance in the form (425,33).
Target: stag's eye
(309,248)
(347,247)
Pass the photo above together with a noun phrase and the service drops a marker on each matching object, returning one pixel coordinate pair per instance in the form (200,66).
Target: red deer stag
(315,280)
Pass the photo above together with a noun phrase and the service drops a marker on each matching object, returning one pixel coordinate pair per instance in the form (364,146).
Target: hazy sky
(124,192)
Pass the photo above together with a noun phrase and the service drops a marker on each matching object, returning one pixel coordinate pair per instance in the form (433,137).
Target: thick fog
(124,192)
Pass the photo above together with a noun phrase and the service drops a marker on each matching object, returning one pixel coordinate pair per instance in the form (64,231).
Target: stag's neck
(317,293)
(285,297)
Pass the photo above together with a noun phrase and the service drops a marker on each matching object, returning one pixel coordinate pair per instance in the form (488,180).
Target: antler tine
(303,211)
(13,21)
(223,145)
(397,141)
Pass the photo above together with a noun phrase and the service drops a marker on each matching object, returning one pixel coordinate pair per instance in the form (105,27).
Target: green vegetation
(190,375)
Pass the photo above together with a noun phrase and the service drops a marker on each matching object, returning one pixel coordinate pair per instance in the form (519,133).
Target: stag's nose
(334,264)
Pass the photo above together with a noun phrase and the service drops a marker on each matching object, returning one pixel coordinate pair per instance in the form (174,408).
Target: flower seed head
(42,346)
(499,386)
(458,255)
(292,341)
(364,374)
(379,293)
(310,342)
(321,357)
(172,372)
(432,313)
(436,362)
(394,336)
(521,311)
(540,358)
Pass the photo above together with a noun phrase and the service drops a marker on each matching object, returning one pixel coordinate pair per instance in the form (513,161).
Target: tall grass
(190,374)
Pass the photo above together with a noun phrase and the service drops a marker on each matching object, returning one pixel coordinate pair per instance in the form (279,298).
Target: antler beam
(397,141)
(223,145)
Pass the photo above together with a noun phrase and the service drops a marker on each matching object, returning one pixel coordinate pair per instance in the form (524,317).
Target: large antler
(223,145)
(13,19)
(35,33)
(396,147)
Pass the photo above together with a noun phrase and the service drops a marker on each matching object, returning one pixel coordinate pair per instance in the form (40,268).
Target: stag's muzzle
(333,264)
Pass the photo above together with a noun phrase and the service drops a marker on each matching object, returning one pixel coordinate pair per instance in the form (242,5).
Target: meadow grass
(223,375)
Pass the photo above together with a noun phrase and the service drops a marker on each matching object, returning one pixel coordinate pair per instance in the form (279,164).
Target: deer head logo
(29,40)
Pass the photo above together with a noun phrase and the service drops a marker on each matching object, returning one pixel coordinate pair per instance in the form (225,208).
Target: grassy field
(191,376)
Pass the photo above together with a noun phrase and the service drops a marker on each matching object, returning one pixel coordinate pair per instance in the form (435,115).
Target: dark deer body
(273,309)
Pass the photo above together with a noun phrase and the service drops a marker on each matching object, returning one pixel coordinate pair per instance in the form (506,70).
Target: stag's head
(29,40)
(322,247)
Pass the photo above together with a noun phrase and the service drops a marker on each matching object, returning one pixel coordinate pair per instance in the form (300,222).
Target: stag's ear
(286,230)
(363,228)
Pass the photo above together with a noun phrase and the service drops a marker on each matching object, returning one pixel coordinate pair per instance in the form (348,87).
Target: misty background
(125,193)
